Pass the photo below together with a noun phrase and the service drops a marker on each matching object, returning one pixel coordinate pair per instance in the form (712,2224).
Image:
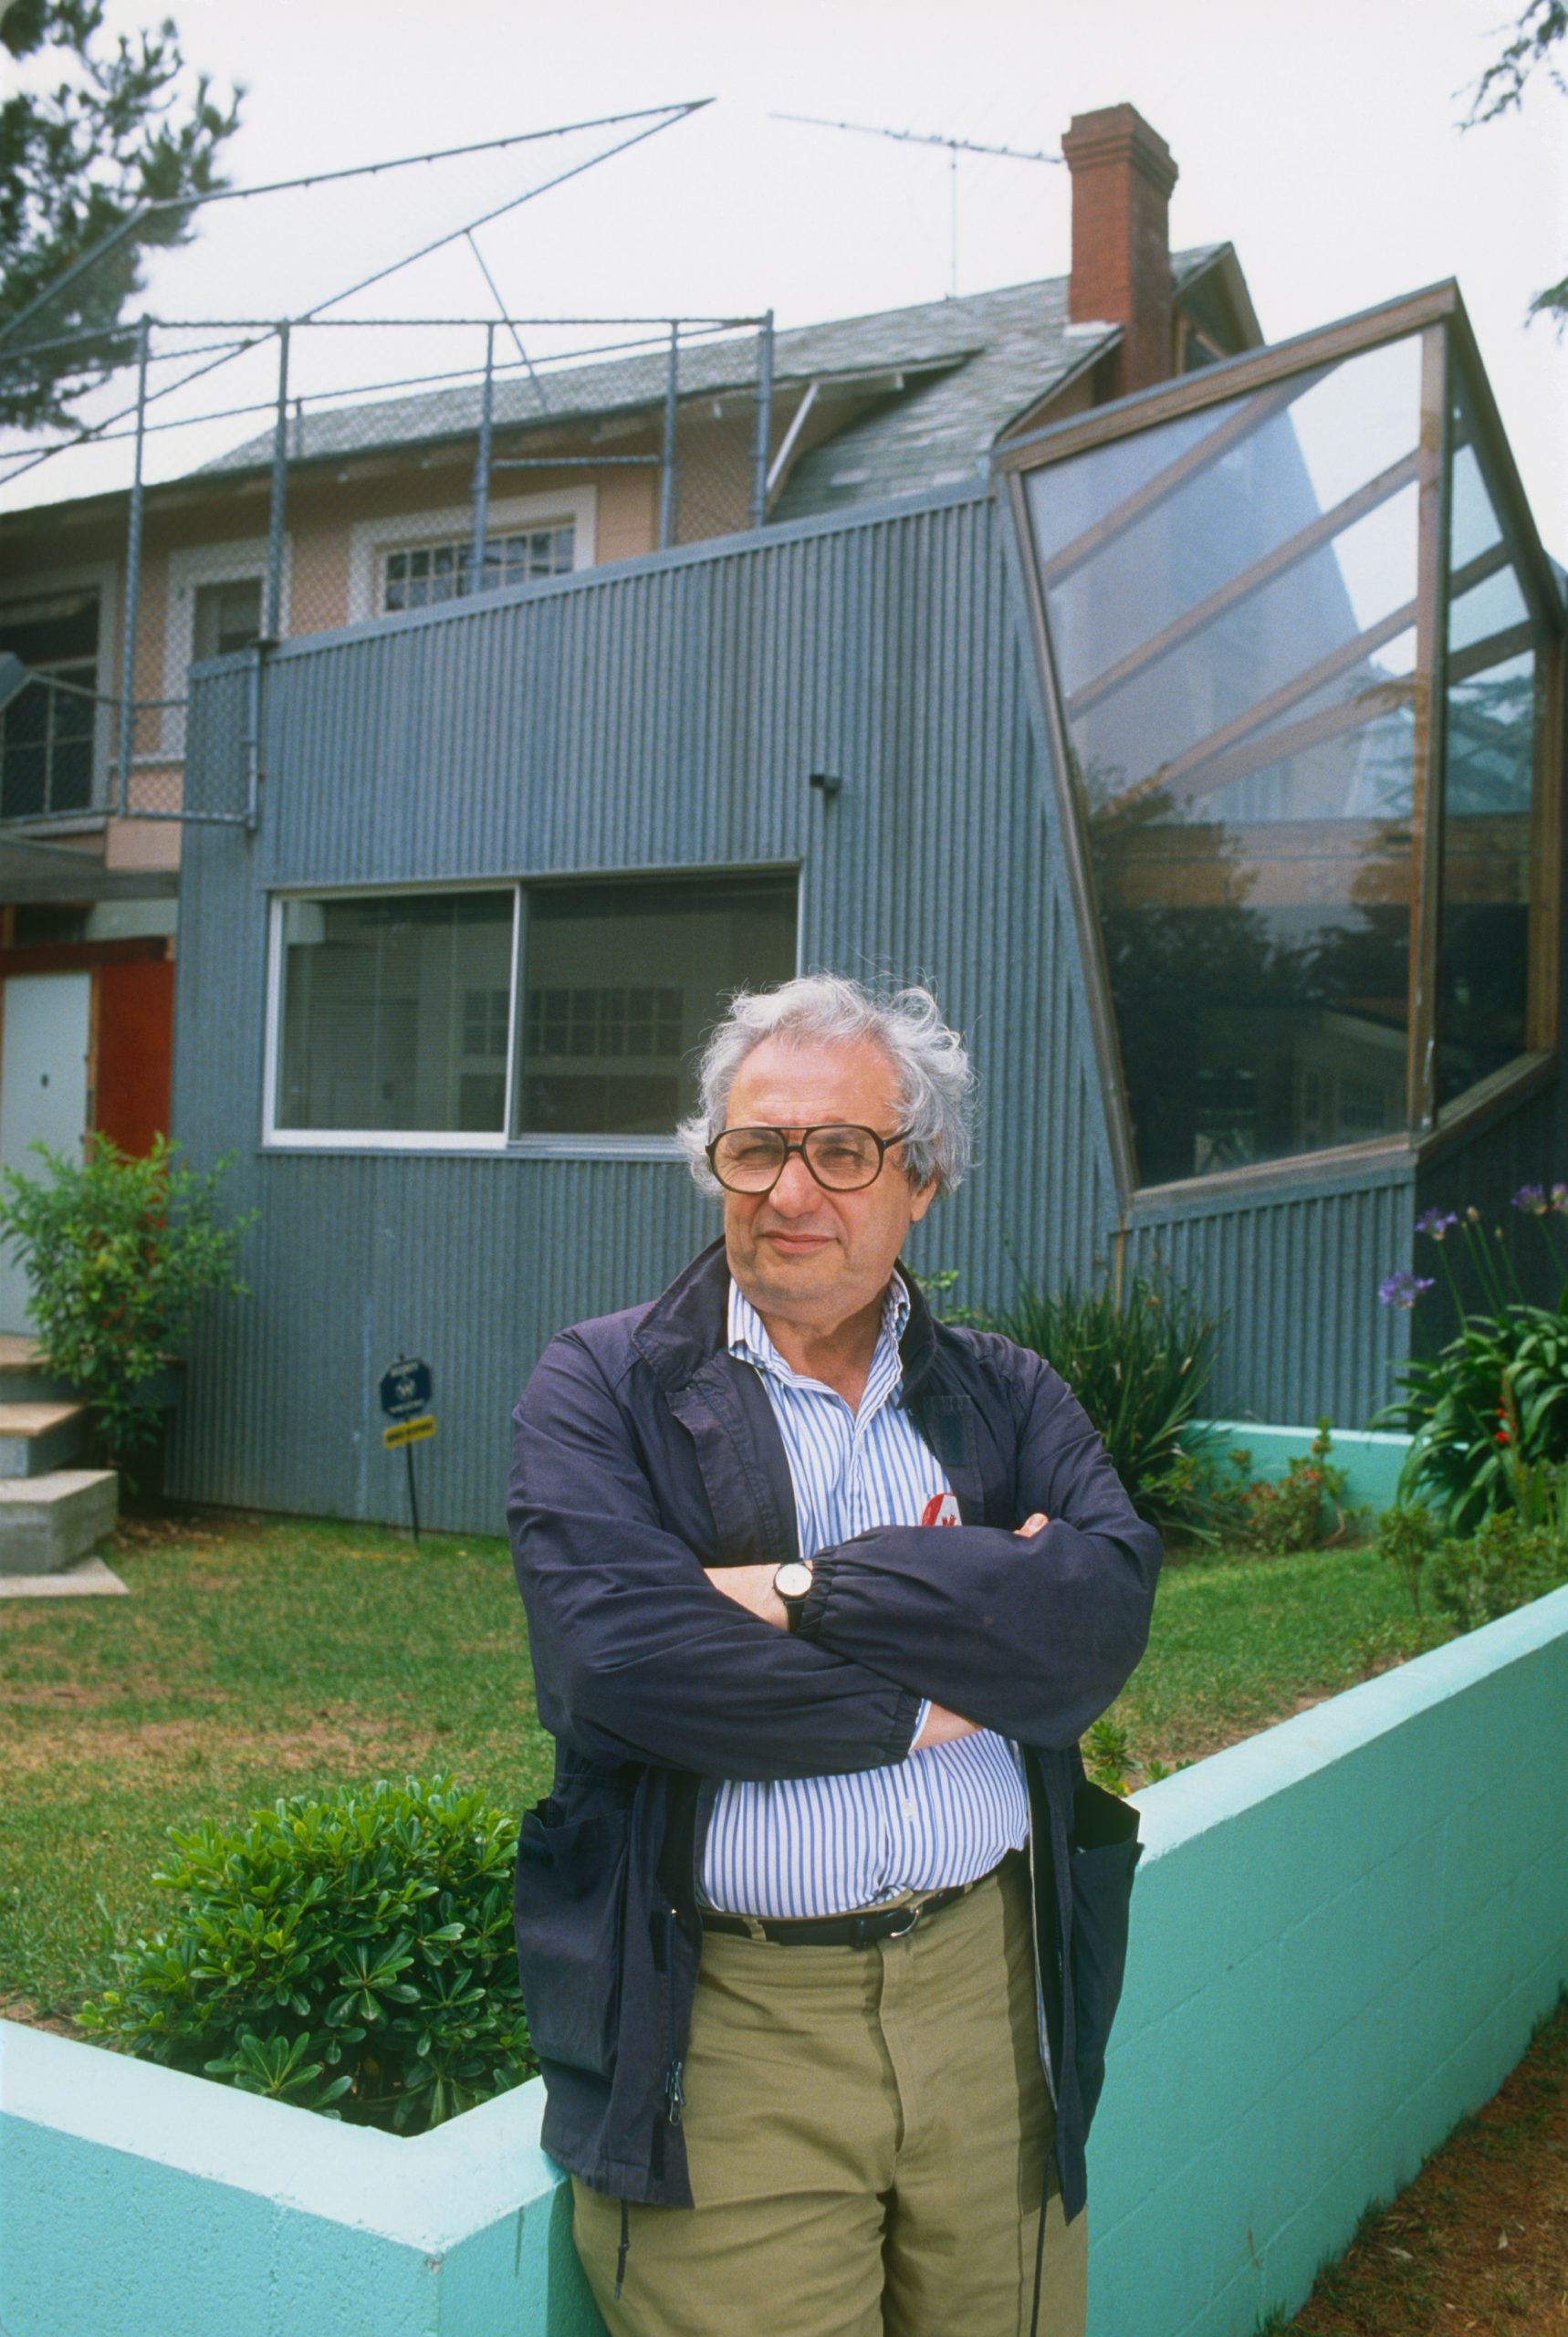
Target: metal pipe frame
(764,422)
(133,578)
(278,499)
(482,465)
(667,482)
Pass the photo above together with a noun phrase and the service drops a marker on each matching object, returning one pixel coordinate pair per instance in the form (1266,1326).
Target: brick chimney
(1123,174)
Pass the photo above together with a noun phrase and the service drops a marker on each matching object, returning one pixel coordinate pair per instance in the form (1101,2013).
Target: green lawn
(269,1656)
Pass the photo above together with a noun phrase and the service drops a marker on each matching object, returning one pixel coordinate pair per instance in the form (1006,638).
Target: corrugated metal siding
(665,715)
(669,714)
(1293,1277)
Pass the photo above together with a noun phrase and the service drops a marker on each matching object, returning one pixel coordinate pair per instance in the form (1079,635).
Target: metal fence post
(764,422)
(132,575)
(667,485)
(272,615)
(482,467)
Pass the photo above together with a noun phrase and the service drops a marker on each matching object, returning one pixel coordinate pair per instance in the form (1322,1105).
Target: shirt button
(909,1809)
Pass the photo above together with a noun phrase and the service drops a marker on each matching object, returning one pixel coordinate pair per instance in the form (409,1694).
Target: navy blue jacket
(643,1454)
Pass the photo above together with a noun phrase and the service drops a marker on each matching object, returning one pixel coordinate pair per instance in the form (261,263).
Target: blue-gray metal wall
(668,714)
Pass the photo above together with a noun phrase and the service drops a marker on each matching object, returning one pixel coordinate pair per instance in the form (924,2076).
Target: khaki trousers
(867,2132)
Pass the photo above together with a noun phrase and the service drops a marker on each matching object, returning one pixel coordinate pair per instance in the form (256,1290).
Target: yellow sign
(409,1432)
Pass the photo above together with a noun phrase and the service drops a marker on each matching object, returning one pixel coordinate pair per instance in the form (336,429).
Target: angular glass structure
(1497,906)
(1293,630)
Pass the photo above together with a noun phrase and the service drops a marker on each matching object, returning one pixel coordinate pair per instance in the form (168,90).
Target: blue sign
(405,1389)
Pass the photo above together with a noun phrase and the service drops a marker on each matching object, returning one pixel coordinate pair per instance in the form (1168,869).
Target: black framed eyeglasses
(842,1158)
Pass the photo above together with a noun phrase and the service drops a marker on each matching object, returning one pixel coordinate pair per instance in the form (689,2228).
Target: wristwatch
(792,1581)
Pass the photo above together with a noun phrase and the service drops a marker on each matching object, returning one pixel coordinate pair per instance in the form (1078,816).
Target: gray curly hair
(935,1078)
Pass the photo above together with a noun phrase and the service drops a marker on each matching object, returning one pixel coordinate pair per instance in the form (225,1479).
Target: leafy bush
(1505,1564)
(120,1252)
(352,1956)
(1407,1537)
(1495,1398)
(1139,1370)
(1277,1518)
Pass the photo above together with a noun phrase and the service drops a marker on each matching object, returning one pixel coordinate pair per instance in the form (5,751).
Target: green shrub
(352,1956)
(1277,1518)
(1406,1537)
(1456,1407)
(1495,1398)
(119,1251)
(1505,1564)
(1139,1368)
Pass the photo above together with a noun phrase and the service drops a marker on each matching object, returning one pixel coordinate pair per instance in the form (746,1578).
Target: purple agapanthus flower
(1532,1200)
(1435,1222)
(1404,1288)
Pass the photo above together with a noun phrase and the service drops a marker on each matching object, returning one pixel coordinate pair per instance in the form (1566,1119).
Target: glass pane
(622,982)
(1231,606)
(227,617)
(1488,788)
(389,1013)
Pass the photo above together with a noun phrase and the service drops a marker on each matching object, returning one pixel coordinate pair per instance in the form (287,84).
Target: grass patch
(265,1656)
(253,1658)
(1239,1643)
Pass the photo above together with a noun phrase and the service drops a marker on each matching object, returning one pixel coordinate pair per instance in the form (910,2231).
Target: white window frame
(104,580)
(376,1139)
(525,1147)
(242,559)
(370,541)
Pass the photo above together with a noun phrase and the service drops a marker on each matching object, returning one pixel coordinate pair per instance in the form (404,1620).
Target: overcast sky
(1320,136)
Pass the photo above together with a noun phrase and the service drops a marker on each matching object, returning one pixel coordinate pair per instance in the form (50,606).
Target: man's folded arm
(636,1655)
(1034,1636)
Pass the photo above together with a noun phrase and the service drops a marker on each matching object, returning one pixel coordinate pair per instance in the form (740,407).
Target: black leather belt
(839,1930)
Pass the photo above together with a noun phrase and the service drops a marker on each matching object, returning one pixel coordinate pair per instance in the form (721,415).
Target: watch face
(794,1580)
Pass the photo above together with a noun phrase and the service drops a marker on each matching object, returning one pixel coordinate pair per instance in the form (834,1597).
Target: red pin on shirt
(941,1509)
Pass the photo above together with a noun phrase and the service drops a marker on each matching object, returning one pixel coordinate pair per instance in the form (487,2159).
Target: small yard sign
(405,1388)
(406,1393)
(409,1432)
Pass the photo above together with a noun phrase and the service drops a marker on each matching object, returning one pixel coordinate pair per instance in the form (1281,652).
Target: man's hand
(751,1587)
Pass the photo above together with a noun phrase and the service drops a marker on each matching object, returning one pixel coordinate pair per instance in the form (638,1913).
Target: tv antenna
(955,146)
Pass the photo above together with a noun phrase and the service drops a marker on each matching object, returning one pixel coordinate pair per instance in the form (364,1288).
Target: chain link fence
(350,473)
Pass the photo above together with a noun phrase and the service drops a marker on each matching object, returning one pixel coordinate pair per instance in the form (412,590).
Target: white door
(44,1044)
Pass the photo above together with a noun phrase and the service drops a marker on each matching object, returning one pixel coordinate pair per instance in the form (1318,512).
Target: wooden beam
(1495,650)
(1175,475)
(1236,377)
(1275,563)
(1317,864)
(1427,733)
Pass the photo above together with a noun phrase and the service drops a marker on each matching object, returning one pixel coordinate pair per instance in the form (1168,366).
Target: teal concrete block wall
(138,2202)
(1343,1932)
(1371,1458)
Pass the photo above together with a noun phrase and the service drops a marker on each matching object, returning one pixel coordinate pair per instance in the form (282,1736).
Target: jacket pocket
(1105,1850)
(570,1905)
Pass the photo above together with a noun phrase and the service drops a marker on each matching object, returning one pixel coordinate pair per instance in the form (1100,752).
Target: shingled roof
(949,379)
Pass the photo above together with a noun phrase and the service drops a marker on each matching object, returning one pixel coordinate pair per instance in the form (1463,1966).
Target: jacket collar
(691,1322)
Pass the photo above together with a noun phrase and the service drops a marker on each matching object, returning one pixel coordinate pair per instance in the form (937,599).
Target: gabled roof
(949,377)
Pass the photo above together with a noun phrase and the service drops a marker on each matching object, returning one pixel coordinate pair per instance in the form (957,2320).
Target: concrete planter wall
(1371,1458)
(1343,1932)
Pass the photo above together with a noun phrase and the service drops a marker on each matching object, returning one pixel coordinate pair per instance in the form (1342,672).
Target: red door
(135,1041)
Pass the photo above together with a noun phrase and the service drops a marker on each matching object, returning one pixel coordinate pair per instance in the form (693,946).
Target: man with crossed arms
(820,1929)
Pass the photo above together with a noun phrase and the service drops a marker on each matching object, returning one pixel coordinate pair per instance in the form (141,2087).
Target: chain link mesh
(455,458)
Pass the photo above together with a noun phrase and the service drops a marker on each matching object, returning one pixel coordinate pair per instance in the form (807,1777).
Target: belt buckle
(904,1930)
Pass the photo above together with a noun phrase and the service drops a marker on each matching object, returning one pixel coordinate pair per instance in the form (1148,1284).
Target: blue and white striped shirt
(815,1846)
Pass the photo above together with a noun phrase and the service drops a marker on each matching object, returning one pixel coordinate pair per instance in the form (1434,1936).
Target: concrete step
(37,1438)
(23,1376)
(49,1522)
